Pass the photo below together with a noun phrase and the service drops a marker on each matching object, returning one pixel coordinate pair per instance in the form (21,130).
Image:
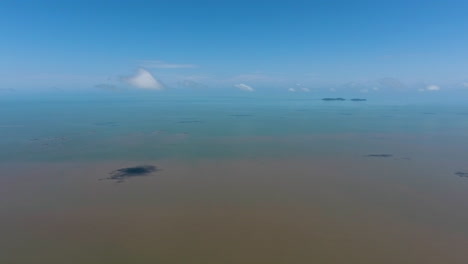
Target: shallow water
(107,127)
(241,180)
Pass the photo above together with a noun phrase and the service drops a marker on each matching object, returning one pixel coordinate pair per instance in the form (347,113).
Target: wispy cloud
(291,90)
(465,84)
(144,80)
(432,87)
(165,65)
(244,87)
(299,87)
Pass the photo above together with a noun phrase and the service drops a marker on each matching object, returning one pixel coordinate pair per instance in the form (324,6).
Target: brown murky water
(309,210)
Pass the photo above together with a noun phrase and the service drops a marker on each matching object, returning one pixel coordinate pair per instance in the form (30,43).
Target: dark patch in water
(333,99)
(462,174)
(121,175)
(380,155)
(358,100)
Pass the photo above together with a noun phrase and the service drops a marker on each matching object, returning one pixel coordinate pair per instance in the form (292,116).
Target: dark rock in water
(358,99)
(380,155)
(121,175)
(462,174)
(333,99)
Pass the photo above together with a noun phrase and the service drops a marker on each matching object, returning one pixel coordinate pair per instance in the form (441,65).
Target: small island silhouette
(462,174)
(333,99)
(379,155)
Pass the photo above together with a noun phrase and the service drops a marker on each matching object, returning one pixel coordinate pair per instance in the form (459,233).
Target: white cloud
(465,84)
(299,87)
(432,87)
(164,65)
(291,90)
(244,87)
(144,80)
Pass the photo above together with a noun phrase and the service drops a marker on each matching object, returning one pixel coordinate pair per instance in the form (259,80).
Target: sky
(297,46)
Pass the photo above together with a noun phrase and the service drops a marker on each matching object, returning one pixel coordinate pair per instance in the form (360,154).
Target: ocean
(136,177)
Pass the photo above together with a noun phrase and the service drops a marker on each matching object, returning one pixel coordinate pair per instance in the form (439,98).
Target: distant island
(343,99)
(334,99)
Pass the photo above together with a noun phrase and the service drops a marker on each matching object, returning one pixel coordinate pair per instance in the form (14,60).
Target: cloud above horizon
(164,65)
(244,87)
(432,87)
(144,80)
(299,87)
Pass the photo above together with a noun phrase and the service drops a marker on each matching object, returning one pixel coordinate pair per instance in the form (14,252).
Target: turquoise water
(254,178)
(97,126)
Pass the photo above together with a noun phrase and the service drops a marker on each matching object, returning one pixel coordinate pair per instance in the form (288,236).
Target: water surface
(242,179)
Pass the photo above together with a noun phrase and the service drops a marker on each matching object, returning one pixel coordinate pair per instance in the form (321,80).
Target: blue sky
(225,44)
